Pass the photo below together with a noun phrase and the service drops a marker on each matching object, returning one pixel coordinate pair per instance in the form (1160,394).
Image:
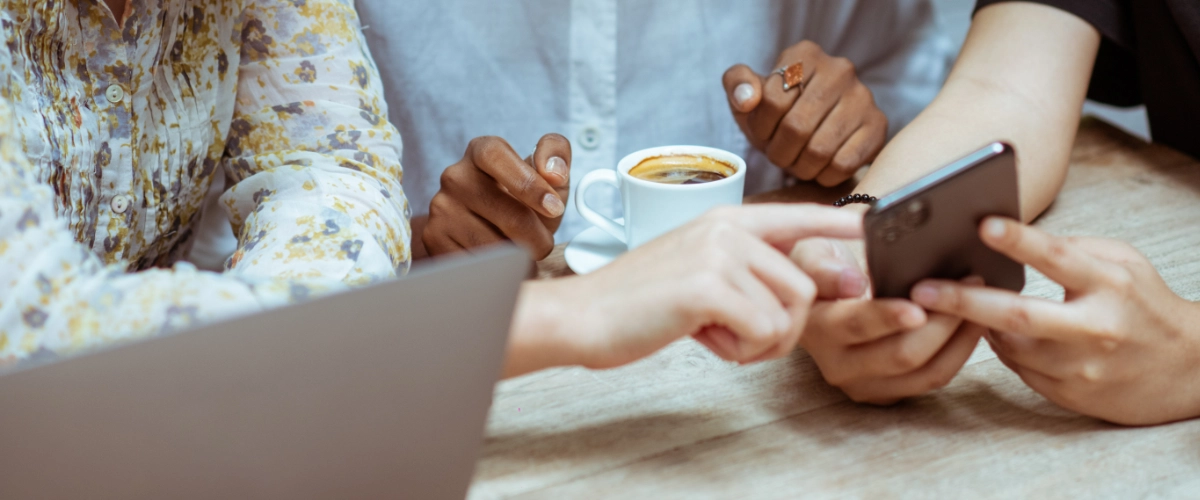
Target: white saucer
(592,249)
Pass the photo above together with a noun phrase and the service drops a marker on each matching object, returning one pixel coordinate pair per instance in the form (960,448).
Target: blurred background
(955,15)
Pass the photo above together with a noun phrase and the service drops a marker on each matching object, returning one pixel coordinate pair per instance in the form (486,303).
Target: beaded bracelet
(855,198)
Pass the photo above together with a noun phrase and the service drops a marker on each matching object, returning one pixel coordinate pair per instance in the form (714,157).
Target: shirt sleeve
(1115,76)
(1109,17)
(314,161)
(56,297)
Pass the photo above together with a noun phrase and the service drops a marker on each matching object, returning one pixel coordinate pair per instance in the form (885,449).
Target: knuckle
(794,126)
(807,46)
(861,91)
(1057,254)
(1088,372)
(846,164)
(1107,334)
(774,102)
(480,145)
(824,94)
(703,284)
(475,143)
(439,206)
(819,153)
(1016,319)
(843,70)
(451,176)
(879,119)
(841,64)
(855,327)
(893,320)
(541,248)
(1120,279)
(905,359)
(488,149)
(527,181)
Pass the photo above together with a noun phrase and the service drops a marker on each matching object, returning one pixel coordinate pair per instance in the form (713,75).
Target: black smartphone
(930,228)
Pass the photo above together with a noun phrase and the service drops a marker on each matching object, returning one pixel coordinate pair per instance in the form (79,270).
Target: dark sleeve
(1115,76)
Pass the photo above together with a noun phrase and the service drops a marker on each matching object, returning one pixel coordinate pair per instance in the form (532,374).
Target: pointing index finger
(782,225)
(1000,310)
(1054,256)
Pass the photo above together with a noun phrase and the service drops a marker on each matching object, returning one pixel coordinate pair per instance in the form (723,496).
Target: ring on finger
(793,76)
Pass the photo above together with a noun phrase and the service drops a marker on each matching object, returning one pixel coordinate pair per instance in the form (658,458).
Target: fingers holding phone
(1118,347)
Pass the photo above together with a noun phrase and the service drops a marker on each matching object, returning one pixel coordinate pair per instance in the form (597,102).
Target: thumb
(743,87)
(832,267)
(552,159)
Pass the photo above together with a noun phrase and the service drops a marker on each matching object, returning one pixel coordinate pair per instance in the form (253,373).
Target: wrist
(538,338)
(1185,325)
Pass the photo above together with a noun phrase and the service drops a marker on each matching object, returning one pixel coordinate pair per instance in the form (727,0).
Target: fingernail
(553,205)
(911,318)
(852,283)
(995,228)
(973,281)
(557,166)
(743,93)
(926,295)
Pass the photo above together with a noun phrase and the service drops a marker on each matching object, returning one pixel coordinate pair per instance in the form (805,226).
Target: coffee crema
(682,169)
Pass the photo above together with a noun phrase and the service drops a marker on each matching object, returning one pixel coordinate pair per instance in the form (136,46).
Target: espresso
(682,169)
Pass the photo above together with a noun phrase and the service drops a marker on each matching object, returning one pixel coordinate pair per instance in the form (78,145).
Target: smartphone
(930,228)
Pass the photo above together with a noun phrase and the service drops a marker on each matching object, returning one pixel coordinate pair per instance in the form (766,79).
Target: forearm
(539,336)
(1022,78)
(964,118)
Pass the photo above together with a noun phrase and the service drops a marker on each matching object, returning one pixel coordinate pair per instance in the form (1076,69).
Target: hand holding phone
(930,228)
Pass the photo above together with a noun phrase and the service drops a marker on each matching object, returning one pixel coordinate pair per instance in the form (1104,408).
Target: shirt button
(590,138)
(120,204)
(115,94)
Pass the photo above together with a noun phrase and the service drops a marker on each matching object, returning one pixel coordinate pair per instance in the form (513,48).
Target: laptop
(380,392)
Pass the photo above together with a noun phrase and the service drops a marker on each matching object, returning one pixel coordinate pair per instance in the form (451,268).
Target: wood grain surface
(685,424)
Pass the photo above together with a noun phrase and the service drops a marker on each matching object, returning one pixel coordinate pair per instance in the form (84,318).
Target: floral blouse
(110,135)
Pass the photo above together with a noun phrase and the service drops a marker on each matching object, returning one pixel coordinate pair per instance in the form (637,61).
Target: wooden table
(684,424)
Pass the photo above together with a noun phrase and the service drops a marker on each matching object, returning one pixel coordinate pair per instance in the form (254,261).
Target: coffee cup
(673,185)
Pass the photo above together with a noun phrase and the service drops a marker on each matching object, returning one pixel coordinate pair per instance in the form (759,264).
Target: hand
(492,195)
(723,278)
(1121,347)
(877,351)
(825,132)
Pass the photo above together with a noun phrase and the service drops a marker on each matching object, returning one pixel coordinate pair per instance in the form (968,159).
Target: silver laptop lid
(380,392)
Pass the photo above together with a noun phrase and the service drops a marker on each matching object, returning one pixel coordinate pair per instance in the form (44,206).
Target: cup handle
(616,229)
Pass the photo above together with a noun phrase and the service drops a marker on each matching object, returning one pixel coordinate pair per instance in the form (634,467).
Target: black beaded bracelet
(855,198)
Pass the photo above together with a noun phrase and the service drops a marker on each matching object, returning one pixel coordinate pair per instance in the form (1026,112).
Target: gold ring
(793,76)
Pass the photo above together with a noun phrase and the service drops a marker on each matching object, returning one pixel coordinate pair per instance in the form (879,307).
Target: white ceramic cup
(653,208)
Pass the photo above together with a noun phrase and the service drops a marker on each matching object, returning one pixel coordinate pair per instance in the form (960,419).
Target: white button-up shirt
(618,76)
